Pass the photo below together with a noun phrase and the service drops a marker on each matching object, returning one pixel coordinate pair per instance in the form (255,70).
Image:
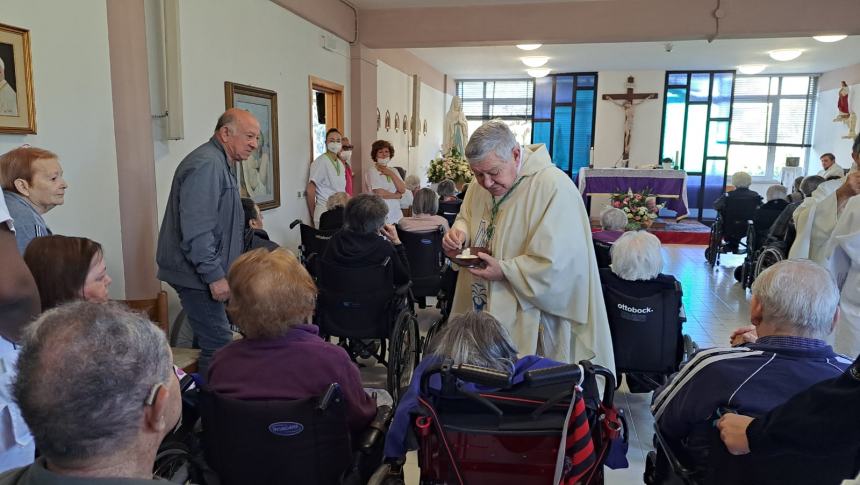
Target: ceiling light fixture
(751,69)
(534,61)
(829,38)
(528,47)
(784,55)
(538,72)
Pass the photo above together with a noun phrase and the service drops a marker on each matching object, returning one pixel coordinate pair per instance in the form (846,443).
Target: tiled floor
(715,305)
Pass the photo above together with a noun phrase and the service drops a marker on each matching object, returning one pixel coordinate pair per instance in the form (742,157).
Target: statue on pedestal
(456,129)
(845,115)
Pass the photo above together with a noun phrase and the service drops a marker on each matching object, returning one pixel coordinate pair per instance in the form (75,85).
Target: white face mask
(383,161)
(334,146)
(345,155)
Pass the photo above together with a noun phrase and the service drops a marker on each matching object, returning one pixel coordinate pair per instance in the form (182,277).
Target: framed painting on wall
(259,175)
(17,106)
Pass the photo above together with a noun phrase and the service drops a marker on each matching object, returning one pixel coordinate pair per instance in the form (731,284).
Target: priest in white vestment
(844,245)
(816,217)
(542,280)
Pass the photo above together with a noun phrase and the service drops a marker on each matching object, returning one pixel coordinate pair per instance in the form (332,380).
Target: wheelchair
(513,435)
(313,245)
(359,305)
(647,337)
(602,253)
(766,255)
(427,264)
(449,210)
(305,441)
(730,228)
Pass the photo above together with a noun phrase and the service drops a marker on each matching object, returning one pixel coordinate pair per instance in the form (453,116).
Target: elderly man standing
(541,281)
(100,420)
(202,230)
(793,309)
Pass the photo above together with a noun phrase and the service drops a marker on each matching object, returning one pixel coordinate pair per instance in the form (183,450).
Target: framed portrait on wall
(17,106)
(259,175)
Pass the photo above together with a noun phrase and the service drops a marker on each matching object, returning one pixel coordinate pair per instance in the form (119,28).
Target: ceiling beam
(333,15)
(602,21)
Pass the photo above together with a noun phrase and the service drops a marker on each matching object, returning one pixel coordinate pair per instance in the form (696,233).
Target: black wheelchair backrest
(355,301)
(426,260)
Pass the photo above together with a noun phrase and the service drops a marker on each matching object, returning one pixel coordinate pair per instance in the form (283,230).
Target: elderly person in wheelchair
(736,208)
(282,356)
(793,310)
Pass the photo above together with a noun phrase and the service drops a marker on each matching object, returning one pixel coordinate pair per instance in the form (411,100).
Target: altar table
(670,185)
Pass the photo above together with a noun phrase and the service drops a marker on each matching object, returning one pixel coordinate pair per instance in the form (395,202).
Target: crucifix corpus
(628,101)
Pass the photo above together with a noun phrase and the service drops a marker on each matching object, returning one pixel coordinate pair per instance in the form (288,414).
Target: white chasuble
(815,219)
(551,300)
(845,266)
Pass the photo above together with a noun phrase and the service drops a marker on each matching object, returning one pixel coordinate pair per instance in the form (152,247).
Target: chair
(646,332)
(356,304)
(426,261)
(730,228)
(313,245)
(449,210)
(154,308)
(512,435)
(304,441)
(602,252)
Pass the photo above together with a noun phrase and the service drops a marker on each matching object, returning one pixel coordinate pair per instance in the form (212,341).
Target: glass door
(696,121)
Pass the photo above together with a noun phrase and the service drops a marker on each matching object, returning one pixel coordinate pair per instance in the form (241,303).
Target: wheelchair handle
(609,384)
(482,376)
(295,223)
(550,376)
(332,394)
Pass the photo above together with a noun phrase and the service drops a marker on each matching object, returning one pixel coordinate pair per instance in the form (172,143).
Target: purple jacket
(297,365)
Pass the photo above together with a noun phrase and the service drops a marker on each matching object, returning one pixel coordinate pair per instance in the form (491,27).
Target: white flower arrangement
(453,167)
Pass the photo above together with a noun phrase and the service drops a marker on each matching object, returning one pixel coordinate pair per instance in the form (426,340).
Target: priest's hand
(492,270)
(453,239)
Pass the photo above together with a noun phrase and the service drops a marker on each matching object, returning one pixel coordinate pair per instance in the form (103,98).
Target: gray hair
(446,188)
(412,182)
(2,64)
(365,214)
(742,180)
(491,137)
(636,255)
(799,297)
(613,219)
(809,184)
(476,338)
(84,374)
(337,199)
(425,202)
(775,192)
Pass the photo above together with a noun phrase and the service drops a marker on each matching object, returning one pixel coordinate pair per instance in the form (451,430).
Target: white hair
(775,192)
(742,180)
(413,182)
(492,137)
(613,219)
(799,297)
(2,64)
(636,255)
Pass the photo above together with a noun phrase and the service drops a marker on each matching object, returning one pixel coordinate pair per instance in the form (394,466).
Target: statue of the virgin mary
(455,129)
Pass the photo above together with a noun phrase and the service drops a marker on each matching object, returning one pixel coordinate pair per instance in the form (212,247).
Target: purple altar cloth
(669,186)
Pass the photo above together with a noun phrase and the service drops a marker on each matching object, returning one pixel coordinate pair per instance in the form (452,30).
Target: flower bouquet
(640,207)
(453,166)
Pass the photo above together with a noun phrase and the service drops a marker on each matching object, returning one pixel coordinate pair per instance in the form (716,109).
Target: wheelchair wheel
(431,334)
(690,348)
(403,353)
(769,256)
(181,334)
(712,254)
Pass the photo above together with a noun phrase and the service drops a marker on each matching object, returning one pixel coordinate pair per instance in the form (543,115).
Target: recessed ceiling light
(538,72)
(529,47)
(751,69)
(534,61)
(829,38)
(784,55)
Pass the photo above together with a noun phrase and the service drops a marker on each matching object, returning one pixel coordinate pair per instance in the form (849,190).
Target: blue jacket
(202,230)
(750,380)
(395,440)
(28,223)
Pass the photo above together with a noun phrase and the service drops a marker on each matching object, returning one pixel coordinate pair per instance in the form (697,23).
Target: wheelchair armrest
(553,375)
(376,430)
(332,394)
(295,223)
(482,376)
(676,465)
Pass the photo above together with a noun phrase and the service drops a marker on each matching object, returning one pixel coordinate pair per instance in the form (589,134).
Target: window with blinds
(772,119)
(507,99)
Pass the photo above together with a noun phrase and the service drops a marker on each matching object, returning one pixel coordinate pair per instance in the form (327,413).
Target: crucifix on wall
(628,101)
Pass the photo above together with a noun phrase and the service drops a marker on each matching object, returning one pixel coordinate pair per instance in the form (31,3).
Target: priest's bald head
(495,157)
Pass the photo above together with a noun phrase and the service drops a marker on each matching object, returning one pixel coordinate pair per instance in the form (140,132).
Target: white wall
(647,120)
(258,43)
(394,93)
(827,135)
(74,117)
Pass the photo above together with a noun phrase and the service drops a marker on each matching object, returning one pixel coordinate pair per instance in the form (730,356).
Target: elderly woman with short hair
(447,191)
(33,183)
(474,338)
(332,218)
(612,222)
(742,182)
(424,218)
(282,356)
(637,262)
(366,239)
